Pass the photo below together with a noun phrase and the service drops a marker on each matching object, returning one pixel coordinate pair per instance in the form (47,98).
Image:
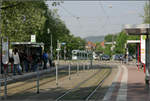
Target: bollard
(5,85)
(88,66)
(83,66)
(38,78)
(91,63)
(57,74)
(0,89)
(77,69)
(69,72)
(147,83)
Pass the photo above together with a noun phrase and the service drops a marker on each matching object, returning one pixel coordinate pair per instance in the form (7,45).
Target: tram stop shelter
(142,29)
(137,42)
(28,47)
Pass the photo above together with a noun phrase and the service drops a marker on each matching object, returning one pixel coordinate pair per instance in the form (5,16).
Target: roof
(133,41)
(27,43)
(91,44)
(110,43)
(142,29)
(102,44)
(140,26)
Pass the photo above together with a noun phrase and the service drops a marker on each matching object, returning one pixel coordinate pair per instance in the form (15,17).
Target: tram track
(98,86)
(80,85)
(31,83)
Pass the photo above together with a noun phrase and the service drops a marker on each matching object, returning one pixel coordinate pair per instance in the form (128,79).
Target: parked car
(116,57)
(105,57)
(121,56)
(130,58)
(96,57)
(134,56)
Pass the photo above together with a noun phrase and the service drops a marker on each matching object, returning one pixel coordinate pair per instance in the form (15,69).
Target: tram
(80,55)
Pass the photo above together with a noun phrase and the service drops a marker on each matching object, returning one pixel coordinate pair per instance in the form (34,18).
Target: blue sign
(63,43)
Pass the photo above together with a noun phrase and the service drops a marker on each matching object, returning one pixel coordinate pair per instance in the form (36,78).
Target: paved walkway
(129,85)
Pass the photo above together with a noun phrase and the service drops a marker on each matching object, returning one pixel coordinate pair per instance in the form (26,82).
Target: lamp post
(51,47)
(57,63)
(64,44)
(0,36)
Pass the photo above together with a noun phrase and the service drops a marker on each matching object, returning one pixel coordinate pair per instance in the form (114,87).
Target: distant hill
(95,38)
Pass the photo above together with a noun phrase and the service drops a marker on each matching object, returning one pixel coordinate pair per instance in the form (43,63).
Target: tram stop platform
(128,85)
(24,76)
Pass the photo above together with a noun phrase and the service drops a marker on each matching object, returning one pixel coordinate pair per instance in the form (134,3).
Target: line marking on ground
(122,93)
(107,96)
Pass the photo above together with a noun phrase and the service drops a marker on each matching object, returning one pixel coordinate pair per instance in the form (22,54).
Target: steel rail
(99,85)
(77,86)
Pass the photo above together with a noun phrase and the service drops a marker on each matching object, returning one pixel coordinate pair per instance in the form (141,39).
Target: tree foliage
(21,19)
(120,42)
(146,16)
(120,39)
(110,37)
(99,48)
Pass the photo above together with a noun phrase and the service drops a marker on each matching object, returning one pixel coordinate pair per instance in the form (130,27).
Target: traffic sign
(33,38)
(5,52)
(58,49)
(63,43)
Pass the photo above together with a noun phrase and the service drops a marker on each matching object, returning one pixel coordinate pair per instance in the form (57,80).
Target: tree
(120,42)
(21,19)
(146,16)
(108,50)
(99,48)
(132,47)
(110,38)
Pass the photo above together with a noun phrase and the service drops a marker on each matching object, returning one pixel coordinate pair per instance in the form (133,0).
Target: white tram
(79,55)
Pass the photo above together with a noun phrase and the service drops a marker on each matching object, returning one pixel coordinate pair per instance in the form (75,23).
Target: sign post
(91,59)
(0,89)
(69,72)
(77,69)
(5,60)
(38,78)
(58,49)
(64,44)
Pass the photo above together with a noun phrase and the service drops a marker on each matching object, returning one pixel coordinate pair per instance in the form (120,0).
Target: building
(90,46)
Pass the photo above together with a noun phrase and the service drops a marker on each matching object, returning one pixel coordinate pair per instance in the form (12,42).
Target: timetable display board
(143,48)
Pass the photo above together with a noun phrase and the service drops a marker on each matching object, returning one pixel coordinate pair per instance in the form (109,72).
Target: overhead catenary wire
(72,15)
(107,16)
(108,19)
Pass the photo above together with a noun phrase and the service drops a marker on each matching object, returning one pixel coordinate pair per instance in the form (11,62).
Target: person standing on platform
(16,62)
(45,59)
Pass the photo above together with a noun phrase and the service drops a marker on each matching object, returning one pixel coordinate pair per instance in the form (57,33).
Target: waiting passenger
(45,59)
(16,62)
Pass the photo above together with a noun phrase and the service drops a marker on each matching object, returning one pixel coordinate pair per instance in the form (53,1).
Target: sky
(97,18)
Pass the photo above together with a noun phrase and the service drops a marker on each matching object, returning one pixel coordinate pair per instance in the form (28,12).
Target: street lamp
(51,47)
(64,44)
